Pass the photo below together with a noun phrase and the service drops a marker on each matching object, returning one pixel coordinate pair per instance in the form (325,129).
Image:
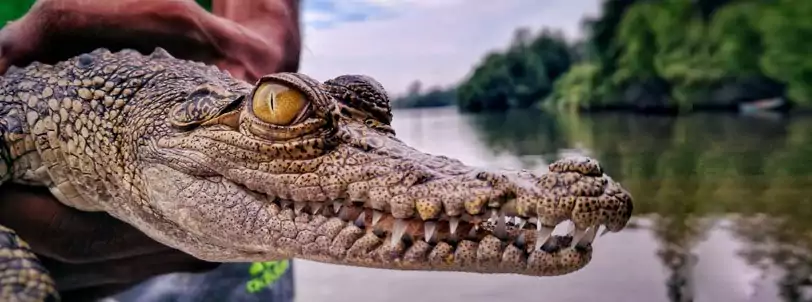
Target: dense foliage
(672,55)
(432,97)
(518,77)
(12,10)
(689,55)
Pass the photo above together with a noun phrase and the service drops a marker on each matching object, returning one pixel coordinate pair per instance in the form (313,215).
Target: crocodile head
(294,168)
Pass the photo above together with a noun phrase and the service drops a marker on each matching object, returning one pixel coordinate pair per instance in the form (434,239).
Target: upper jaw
(517,223)
(388,177)
(575,193)
(444,193)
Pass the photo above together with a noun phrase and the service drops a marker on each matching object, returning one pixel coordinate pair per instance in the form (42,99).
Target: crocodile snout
(574,190)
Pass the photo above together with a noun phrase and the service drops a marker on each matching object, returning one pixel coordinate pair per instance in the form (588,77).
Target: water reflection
(722,209)
(689,174)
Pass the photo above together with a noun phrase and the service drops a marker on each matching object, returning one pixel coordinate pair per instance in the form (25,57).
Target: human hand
(55,30)
(89,255)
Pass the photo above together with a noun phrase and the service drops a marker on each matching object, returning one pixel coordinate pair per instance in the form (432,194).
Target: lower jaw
(486,257)
(373,245)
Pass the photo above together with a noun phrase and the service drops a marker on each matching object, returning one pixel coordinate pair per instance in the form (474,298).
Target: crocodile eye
(277,104)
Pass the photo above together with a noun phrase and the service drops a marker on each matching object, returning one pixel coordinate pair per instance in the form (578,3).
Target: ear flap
(204,103)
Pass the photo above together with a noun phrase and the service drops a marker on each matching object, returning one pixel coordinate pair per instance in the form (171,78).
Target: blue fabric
(233,282)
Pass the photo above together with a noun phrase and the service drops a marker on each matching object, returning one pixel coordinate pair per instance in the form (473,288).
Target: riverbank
(653,57)
(742,109)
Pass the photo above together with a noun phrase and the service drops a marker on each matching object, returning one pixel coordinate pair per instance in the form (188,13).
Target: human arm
(248,38)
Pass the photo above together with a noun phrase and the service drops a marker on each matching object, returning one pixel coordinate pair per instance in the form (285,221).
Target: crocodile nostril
(582,165)
(490,177)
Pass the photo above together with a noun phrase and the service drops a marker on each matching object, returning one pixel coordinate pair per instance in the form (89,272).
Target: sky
(434,41)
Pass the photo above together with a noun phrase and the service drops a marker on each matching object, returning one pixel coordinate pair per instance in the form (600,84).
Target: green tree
(433,97)
(693,54)
(636,33)
(601,33)
(578,89)
(518,77)
(786,29)
(13,9)
(672,55)
(737,41)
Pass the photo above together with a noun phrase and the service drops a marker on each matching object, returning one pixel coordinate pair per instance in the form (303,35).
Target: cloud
(434,41)
(322,14)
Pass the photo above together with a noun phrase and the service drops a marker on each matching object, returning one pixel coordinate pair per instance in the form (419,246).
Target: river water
(723,209)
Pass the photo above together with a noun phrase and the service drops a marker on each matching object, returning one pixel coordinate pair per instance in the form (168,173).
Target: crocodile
(286,167)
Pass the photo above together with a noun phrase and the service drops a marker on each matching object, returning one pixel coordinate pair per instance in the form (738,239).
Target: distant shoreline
(639,111)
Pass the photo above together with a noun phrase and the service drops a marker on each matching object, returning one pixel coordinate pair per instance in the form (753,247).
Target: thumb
(3,38)
(3,64)
(7,34)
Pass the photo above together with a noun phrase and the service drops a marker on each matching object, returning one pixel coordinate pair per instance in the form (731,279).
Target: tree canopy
(688,55)
(676,55)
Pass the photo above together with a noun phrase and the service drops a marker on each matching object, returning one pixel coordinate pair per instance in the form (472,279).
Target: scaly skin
(219,169)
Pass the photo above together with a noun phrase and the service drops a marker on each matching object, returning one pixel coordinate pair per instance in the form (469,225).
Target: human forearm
(77,26)
(249,38)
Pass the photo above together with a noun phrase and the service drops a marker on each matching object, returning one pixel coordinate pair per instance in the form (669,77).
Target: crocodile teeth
(359,222)
(520,222)
(376,216)
(577,236)
(588,236)
(605,230)
(336,206)
(159,52)
(543,234)
(397,231)
(453,223)
(315,207)
(520,241)
(297,207)
(472,232)
(429,228)
(285,203)
(501,227)
(567,227)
